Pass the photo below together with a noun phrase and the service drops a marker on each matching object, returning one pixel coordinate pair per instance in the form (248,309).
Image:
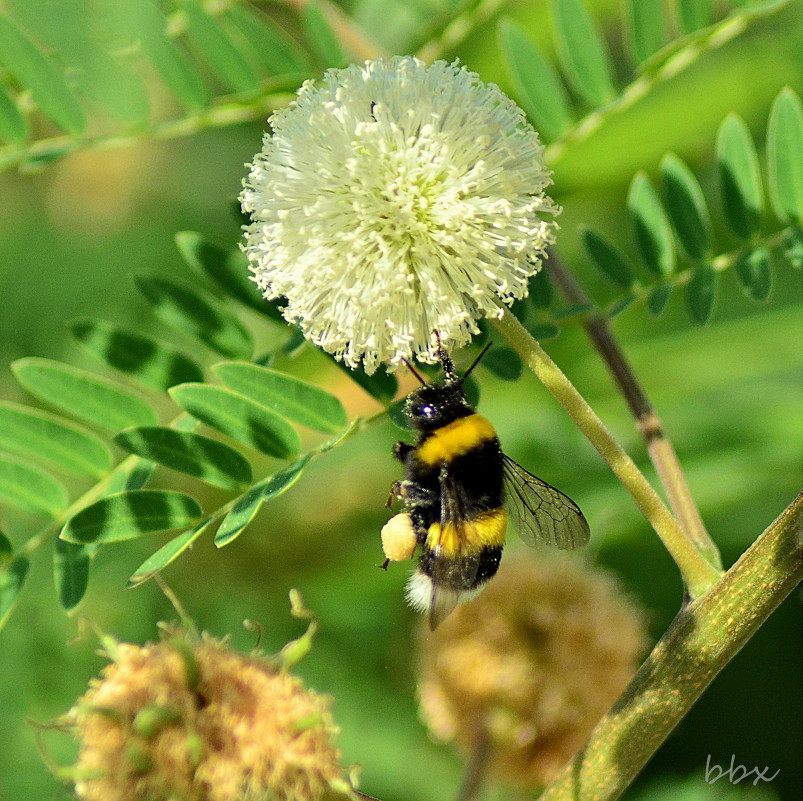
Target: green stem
(698,574)
(702,639)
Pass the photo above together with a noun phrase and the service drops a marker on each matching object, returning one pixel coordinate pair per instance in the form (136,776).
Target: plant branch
(702,639)
(698,574)
(659,447)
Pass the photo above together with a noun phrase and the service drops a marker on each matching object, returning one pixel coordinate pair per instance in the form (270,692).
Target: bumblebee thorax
(435,405)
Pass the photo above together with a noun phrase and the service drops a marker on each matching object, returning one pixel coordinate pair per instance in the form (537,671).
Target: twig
(659,447)
(475,769)
(698,573)
(702,639)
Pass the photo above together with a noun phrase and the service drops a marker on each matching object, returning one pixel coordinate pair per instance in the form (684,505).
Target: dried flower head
(189,720)
(393,199)
(530,665)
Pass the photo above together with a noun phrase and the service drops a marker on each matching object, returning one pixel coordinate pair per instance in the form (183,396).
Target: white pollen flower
(392,200)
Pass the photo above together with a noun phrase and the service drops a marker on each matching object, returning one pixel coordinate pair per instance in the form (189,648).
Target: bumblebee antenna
(413,370)
(477,360)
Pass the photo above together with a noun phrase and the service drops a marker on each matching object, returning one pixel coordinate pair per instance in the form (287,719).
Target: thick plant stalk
(702,639)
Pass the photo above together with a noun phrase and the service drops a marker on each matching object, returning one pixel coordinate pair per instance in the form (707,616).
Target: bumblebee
(459,491)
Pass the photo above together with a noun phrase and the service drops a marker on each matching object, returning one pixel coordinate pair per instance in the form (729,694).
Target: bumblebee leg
(395,492)
(401,450)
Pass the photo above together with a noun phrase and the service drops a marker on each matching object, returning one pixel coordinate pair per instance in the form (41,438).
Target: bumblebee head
(435,405)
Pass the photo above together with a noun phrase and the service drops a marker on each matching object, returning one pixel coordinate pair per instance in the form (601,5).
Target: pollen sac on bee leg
(398,538)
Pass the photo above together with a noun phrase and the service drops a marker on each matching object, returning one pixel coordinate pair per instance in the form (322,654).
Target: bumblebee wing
(444,598)
(541,513)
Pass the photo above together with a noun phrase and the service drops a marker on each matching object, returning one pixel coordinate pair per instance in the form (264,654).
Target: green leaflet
(196,312)
(149,361)
(538,87)
(41,76)
(206,459)
(646,27)
(739,178)
(70,572)
(288,396)
(320,37)
(701,293)
(607,258)
(41,435)
(582,52)
(652,232)
(785,157)
(84,395)
(12,577)
(240,418)
(13,127)
(687,208)
(244,510)
(754,271)
(128,515)
(503,362)
(27,486)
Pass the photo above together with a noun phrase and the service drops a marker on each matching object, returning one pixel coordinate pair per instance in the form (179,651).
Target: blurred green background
(73,235)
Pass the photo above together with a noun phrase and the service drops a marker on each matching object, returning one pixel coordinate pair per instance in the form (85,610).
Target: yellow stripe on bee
(486,530)
(455,439)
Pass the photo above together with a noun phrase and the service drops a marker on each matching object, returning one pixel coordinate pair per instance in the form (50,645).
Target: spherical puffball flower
(394,199)
(192,720)
(528,667)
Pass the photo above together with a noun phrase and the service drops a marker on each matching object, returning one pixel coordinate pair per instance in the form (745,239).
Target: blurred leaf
(89,397)
(288,396)
(582,52)
(36,433)
(687,208)
(12,577)
(607,258)
(27,486)
(694,14)
(792,247)
(229,270)
(618,306)
(243,512)
(151,362)
(196,312)
(646,27)
(651,230)
(785,156)
(544,331)
(220,54)
(168,553)
(320,37)
(541,288)
(701,294)
(201,457)
(381,385)
(238,417)
(754,271)
(574,310)
(739,178)
(659,298)
(276,54)
(127,515)
(42,77)
(13,126)
(536,84)
(169,60)
(6,550)
(71,572)
(504,363)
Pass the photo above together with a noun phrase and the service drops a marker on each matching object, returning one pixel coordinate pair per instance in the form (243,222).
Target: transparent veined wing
(540,513)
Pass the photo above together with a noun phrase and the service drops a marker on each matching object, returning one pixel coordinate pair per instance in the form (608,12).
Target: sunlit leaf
(196,312)
(785,156)
(39,434)
(168,553)
(537,86)
(128,515)
(201,457)
(29,487)
(288,396)
(687,207)
(739,178)
(238,417)
(70,572)
(754,271)
(652,232)
(582,51)
(82,394)
(41,76)
(243,512)
(701,294)
(149,361)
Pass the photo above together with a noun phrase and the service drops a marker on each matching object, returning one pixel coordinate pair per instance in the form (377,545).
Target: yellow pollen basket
(468,537)
(455,439)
